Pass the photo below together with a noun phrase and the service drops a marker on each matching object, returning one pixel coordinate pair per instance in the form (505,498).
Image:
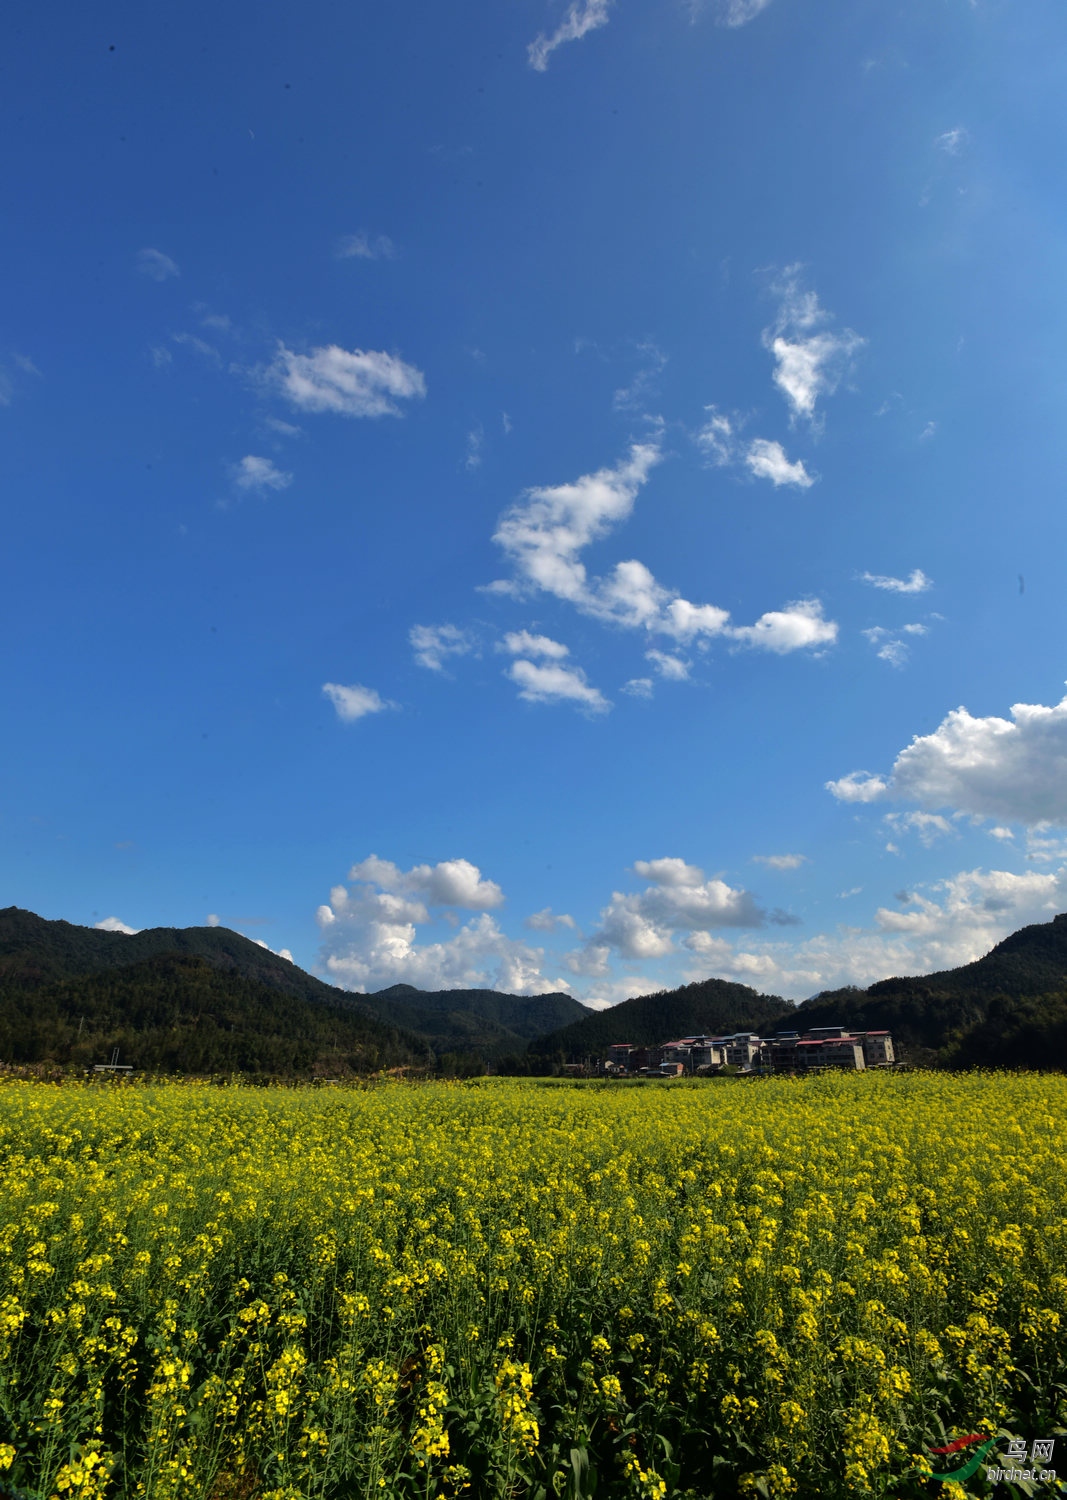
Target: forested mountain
(485,1023)
(711,1005)
(967,1015)
(175,1012)
(207,999)
(1008,1009)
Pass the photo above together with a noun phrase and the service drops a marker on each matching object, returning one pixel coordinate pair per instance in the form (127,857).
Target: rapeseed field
(521,1288)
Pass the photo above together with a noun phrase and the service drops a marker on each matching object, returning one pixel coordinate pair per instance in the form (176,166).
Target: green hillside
(711,1005)
(485,1023)
(957,1014)
(175,1012)
(117,987)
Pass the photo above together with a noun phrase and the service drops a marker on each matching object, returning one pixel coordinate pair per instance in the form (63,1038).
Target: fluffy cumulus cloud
(768,460)
(434,644)
(113,924)
(678,899)
(1012,770)
(545,532)
(915,583)
(351,382)
(579,21)
(157,266)
(952,922)
(810,359)
(258,474)
(370,936)
(355,702)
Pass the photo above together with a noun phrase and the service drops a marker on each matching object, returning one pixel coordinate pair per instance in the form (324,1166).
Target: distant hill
(175,1012)
(119,987)
(711,1005)
(1008,1009)
(958,1014)
(482,1022)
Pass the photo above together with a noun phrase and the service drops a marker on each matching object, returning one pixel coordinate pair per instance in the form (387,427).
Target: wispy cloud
(916,582)
(952,141)
(579,21)
(673,668)
(157,266)
(522,643)
(810,359)
(355,702)
(434,644)
(764,458)
(740,12)
(364,246)
(543,536)
(781,862)
(254,473)
(475,444)
(351,382)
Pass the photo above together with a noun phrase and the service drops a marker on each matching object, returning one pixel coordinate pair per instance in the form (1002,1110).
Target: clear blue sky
(473,476)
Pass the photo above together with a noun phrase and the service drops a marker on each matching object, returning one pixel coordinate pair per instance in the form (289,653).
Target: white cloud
(278,952)
(673,668)
(113,924)
(354,383)
(888,648)
(740,12)
(452,882)
(929,826)
(370,935)
(780,861)
(797,626)
(638,687)
(157,266)
(999,832)
(952,141)
(581,18)
(544,533)
(810,361)
(636,395)
(547,920)
(522,643)
(958,920)
(254,473)
(364,246)
(213,919)
(767,460)
(433,644)
(553,683)
(988,767)
(475,442)
(354,702)
(679,899)
(716,438)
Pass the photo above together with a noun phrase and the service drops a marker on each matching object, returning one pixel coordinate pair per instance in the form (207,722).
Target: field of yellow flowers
(527,1288)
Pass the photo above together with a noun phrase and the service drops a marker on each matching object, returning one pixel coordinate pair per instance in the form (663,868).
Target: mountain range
(208,1000)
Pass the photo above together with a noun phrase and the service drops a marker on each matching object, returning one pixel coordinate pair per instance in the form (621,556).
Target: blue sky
(537,495)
